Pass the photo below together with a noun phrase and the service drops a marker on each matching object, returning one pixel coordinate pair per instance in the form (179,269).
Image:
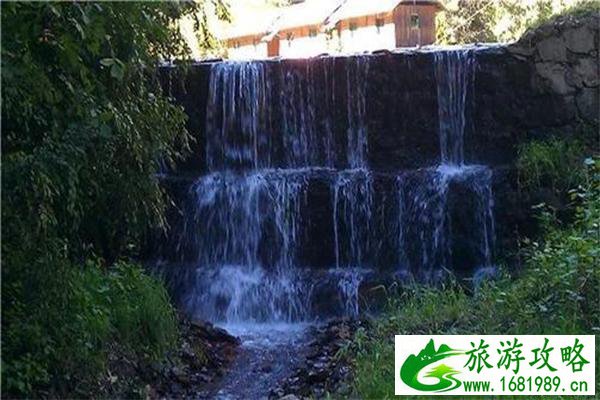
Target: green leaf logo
(413,365)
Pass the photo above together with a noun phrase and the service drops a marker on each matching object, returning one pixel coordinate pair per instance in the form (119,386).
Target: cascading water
(276,133)
(247,213)
(239,95)
(352,217)
(247,230)
(290,224)
(425,215)
(454,73)
(248,100)
(356,85)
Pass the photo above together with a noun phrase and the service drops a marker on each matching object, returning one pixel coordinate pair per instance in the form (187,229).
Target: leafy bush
(558,292)
(85,128)
(85,123)
(64,322)
(143,315)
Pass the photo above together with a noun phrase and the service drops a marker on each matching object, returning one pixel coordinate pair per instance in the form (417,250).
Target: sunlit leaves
(76,82)
(84,126)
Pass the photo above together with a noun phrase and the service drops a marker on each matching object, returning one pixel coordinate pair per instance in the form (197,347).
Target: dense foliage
(548,168)
(83,318)
(84,124)
(85,129)
(485,21)
(558,292)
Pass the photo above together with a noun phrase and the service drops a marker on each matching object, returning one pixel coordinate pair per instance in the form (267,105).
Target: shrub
(66,320)
(141,311)
(85,128)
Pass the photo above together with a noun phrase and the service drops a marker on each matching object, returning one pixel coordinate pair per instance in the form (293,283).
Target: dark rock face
(337,157)
(402,112)
(547,80)
(563,57)
(189,88)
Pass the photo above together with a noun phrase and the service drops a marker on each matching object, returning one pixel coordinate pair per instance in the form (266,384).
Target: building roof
(256,19)
(359,8)
(309,12)
(248,18)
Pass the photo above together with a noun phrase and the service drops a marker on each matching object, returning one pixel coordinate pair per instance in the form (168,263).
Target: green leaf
(107,62)
(117,71)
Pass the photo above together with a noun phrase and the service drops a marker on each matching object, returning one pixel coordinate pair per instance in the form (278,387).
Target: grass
(460,313)
(552,163)
(557,292)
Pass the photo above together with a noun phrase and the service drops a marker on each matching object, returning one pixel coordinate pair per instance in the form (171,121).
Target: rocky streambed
(325,368)
(204,355)
(258,361)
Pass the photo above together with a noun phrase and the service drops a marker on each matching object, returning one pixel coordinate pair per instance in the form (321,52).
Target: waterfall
(267,114)
(247,229)
(454,72)
(299,118)
(349,284)
(288,182)
(352,217)
(427,212)
(262,115)
(329,102)
(356,84)
(424,217)
(237,115)
(236,211)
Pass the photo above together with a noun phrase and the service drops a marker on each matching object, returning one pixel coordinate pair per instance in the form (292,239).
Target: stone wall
(564,57)
(547,81)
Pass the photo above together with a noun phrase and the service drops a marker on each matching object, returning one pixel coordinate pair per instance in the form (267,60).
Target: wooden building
(314,27)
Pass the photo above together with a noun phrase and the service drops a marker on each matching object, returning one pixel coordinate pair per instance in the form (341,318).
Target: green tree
(85,129)
(473,21)
(466,21)
(85,124)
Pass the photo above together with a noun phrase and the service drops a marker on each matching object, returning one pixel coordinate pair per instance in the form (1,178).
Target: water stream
(269,352)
